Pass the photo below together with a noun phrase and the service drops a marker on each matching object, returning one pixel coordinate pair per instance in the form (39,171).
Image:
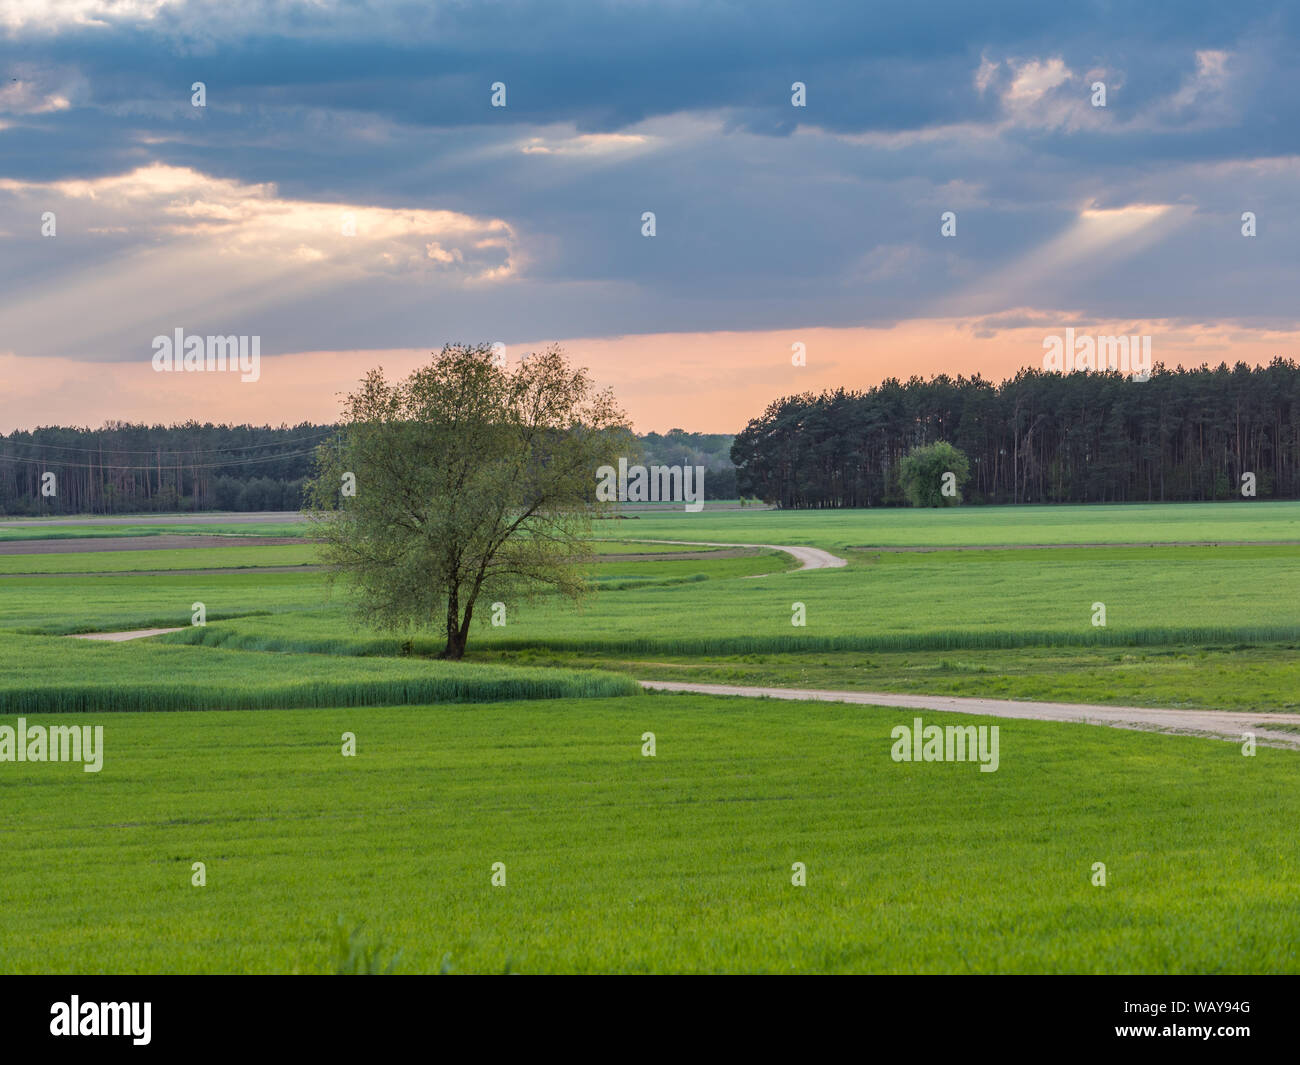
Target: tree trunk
(455,649)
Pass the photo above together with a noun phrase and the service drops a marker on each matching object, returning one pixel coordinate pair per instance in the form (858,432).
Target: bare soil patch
(162,542)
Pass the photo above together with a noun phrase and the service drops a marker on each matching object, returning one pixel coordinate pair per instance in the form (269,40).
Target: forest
(1040,437)
(125,468)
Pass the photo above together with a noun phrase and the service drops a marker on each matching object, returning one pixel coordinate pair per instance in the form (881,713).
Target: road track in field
(1223,725)
(1217,724)
(119,637)
(1220,724)
(808,557)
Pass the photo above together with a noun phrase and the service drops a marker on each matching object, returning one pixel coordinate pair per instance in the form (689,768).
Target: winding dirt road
(809,557)
(119,637)
(1220,724)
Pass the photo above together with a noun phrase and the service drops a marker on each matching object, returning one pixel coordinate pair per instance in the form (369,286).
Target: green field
(883,602)
(89,675)
(1140,523)
(1242,677)
(621,863)
(1245,520)
(261,556)
(529,754)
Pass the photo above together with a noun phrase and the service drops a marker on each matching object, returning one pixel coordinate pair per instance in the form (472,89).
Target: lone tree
(466,481)
(933,475)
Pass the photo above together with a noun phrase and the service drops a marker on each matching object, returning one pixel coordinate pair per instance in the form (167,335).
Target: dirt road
(119,637)
(1214,723)
(809,557)
(1220,724)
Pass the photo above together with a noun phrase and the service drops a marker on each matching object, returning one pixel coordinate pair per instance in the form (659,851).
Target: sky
(365,182)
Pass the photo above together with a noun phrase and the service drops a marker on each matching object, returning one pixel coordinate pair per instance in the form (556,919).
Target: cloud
(23,98)
(1096,241)
(474,222)
(233,219)
(586,144)
(189,246)
(48,16)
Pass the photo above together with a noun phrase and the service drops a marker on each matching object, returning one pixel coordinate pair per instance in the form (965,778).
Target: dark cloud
(768,215)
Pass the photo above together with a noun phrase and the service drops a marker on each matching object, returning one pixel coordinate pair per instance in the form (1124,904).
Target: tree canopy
(1040,437)
(466,482)
(932,475)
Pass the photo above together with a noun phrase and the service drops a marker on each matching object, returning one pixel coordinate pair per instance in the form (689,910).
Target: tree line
(1040,437)
(710,450)
(125,468)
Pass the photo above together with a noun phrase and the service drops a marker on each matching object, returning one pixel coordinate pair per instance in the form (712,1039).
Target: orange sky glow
(707,382)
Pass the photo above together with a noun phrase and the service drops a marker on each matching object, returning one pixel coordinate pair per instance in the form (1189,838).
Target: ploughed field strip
(161,542)
(144,556)
(262,517)
(166,572)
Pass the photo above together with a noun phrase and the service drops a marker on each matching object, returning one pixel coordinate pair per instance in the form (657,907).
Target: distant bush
(933,475)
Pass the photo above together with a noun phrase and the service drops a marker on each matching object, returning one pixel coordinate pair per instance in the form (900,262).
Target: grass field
(529,754)
(623,863)
(887,602)
(1246,520)
(100,562)
(1128,523)
(90,676)
(236,557)
(1263,677)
